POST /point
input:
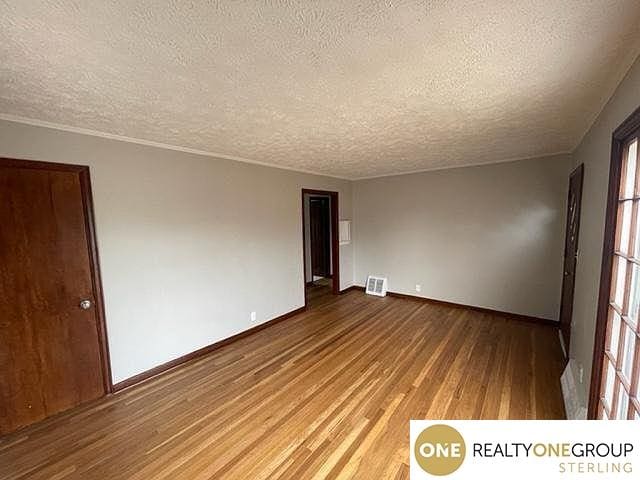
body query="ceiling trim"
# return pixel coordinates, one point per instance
(464, 165)
(151, 143)
(614, 83)
(177, 148)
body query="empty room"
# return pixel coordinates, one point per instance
(318, 239)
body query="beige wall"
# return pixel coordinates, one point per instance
(189, 245)
(595, 151)
(489, 236)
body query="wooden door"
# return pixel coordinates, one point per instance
(52, 346)
(570, 253)
(320, 236)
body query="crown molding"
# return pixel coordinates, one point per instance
(151, 143)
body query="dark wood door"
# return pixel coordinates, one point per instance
(320, 236)
(51, 355)
(570, 253)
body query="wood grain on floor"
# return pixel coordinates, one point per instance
(325, 394)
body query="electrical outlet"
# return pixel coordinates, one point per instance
(418, 287)
(253, 316)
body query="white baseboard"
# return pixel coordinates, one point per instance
(573, 406)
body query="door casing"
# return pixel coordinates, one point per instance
(574, 202)
(335, 257)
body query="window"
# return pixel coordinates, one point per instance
(614, 388)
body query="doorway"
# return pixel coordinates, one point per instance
(320, 242)
(52, 331)
(570, 254)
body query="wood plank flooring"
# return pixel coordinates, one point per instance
(325, 394)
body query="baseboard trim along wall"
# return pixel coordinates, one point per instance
(141, 377)
(516, 316)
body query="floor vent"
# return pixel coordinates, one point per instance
(376, 286)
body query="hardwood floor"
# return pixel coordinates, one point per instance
(319, 292)
(325, 394)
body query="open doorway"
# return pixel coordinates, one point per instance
(320, 241)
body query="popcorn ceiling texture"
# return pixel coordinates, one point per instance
(345, 88)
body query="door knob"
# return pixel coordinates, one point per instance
(85, 304)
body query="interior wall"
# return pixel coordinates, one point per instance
(189, 245)
(489, 236)
(236, 224)
(594, 151)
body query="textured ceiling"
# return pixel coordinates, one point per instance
(345, 88)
